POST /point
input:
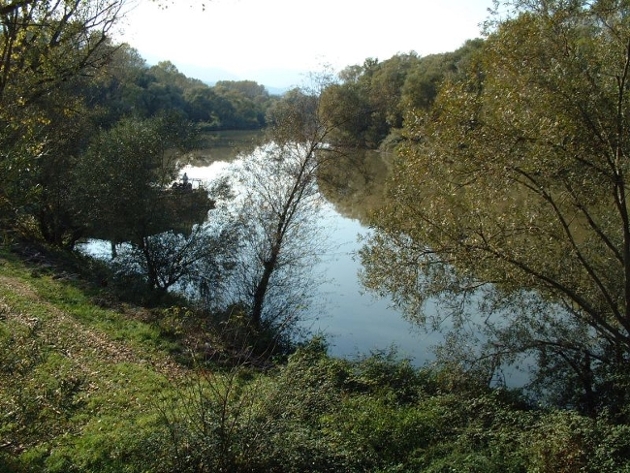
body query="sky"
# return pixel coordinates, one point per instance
(277, 42)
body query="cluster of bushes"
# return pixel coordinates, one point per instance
(309, 413)
(94, 387)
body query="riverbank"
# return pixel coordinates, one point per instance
(91, 383)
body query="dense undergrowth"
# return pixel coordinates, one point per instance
(90, 382)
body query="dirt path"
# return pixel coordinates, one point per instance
(76, 341)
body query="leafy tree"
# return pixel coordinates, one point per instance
(45, 43)
(116, 90)
(248, 88)
(52, 205)
(249, 102)
(511, 193)
(42, 46)
(386, 86)
(425, 78)
(281, 202)
(349, 105)
(369, 102)
(123, 176)
(126, 196)
(201, 106)
(128, 87)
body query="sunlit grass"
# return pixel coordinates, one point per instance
(78, 383)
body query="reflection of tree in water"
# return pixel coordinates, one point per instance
(225, 146)
(355, 182)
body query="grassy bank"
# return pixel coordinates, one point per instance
(77, 379)
(89, 383)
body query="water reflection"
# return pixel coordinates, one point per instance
(354, 322)
(224, 146)
(355, 183)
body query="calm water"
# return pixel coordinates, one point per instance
(353, 321)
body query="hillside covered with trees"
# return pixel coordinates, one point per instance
(505, 207)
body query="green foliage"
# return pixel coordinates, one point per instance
(370, 101)
(44, 50)
(122, 177)
(128, 87)
(83, 389)
(125, 196)
(48, 51)
(62, 83)
(528, 131)
(423, 82)
(509, 200)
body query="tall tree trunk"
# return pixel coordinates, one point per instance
(152, 273)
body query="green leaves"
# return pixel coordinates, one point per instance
(515, 181)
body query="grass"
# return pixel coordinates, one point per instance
(88, 388)
(74, 375)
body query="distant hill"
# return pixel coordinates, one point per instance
(209, 75)
(276, 81)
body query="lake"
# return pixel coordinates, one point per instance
(354, 322)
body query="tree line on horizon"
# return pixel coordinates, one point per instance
(62, 113)
(94, 136)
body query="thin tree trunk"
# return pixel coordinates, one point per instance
(261, 291)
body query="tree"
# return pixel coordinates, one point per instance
(424, 79)
(512, 192)
(280, 205)
(347, 105)
(52, 178)
(124, 194)
(369, 101)
(122, 181)
(118, 89)
(351, 105)
(248, 102)
(386, 87)
(43, 45)
(196, 250)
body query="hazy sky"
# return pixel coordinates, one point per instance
(272, 39)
